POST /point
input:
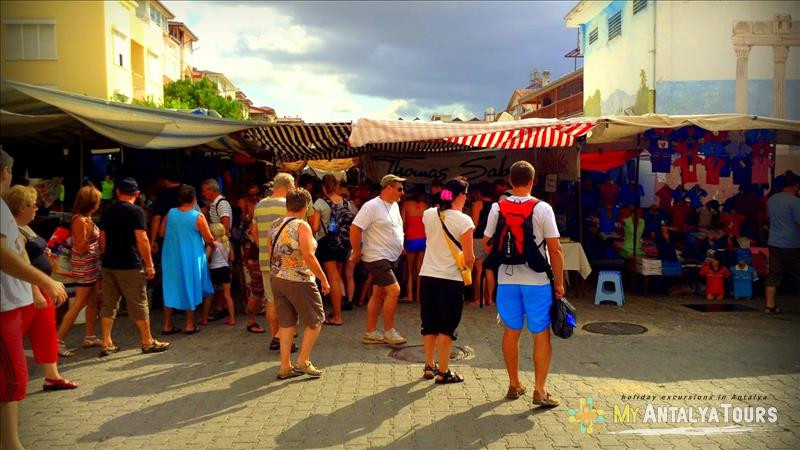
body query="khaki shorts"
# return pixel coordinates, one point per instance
(130, 284)
(295, 299)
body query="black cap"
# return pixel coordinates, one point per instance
(128, 186)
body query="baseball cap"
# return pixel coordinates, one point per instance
(128, 186)
(389, 179)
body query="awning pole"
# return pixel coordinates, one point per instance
(580, 197)
(635, 219)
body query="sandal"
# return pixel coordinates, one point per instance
(448, 377)
(548, 400)
(193, 331)
(773, 310)
(327, 321)
(429, 372)
(63, 350)
(275, 344)
(156, 347)
(172, 330)
(291, 373)
(58, 385)
(515, 392)
(105, 351)
(309, 370)
(255, 328)
(91, 341)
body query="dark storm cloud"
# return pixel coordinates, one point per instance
(435, 53)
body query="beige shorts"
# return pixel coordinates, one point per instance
(297, 299)
(130, 284)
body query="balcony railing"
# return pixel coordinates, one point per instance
(567, 107)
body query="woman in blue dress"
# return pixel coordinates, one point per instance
(183, 260)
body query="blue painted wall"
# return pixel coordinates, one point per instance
(719, 96)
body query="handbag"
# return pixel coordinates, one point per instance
(563, 318)
(458, 256)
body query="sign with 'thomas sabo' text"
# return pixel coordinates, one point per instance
(475, 166)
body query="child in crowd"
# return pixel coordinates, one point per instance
(715, 278)
(743, 277)
(219, 263)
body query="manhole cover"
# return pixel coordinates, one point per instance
(719, 307)
(416, 353)
(616, 328)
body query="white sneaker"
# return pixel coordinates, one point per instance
(392, 337)
(375, 337)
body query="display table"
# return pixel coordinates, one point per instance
(575, 259)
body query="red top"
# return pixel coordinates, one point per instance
(715, 279)
(415, 229)
(664, 197)
(687, 164)
(608, 193)
(732, 223)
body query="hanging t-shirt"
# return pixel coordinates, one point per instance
(629, 194)
(608, 219)
(695, 194)
(680, 215)
(608, 193)
(760, 170)
(660, 149)
(742, 171)
(714, 166)
(687, 163)
(664, 196)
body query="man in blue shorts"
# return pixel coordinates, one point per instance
(523, 293)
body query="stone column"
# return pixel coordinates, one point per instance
(779, 55)
(742, 53)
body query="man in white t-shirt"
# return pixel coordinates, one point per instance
(523, 293)
(380, 226)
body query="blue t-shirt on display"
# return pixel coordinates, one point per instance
(784, 215)
(743, 281)
(742, 169)
(695, 194)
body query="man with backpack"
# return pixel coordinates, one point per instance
(517, 229)
(219, 211)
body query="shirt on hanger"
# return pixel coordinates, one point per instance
(714, 166)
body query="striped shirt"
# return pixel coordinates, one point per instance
(218, 209)
(267, 211)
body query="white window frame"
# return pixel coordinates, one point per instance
(127, 62)
(37, 22)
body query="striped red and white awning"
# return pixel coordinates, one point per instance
(539, 137)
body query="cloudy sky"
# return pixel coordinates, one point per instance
(338, 61)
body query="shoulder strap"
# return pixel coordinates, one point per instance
(447, 232)
(450, 242)
(277, 235)
(27, 235)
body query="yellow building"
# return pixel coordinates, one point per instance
(101, 49)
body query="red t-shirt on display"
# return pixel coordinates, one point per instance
(680, 213)
(664, 197)
(732, 223)
(687, 165)
(715, 279)
(713, 166)
(760, 170)
(608, 193)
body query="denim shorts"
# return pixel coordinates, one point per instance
(515, 302)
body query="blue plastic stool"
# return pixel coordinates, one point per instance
(605, 295)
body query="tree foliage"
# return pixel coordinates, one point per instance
(185, 94)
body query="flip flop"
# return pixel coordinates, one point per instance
(172, 330)
(255, 328)
(327, 321)
(195, 330)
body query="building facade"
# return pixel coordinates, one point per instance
(111, 50)
(689, 57)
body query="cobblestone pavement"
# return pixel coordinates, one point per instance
(218, 389)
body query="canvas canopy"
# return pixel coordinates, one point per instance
(30, 109)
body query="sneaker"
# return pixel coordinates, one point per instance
(374, 337)
(308, 369)
(392, 337)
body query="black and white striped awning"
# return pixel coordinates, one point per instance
(326, 141)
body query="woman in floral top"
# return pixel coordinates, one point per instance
(294, 268)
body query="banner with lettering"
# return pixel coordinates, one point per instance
(476, 166)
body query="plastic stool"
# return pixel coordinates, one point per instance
(605, 295)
